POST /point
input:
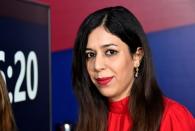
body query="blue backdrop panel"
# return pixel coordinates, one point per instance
(174, 59)
(64, 107)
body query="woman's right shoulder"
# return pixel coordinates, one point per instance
(176, 117)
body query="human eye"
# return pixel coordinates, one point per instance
(90, 55)
(111, 52)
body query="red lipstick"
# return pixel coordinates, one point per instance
(104, 80)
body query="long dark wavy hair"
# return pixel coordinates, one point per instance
(7, 122)
(146, 100)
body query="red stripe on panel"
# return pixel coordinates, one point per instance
(66, 16)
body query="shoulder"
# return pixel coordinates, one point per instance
(176, 117)
(173, 107)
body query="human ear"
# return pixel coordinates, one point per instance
(137, 57)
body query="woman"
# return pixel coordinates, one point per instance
(114, 81)
(7, 122)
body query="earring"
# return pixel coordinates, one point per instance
(136, 72)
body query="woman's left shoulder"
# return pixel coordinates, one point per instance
(176, 117)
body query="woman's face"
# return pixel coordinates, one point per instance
(109, 64)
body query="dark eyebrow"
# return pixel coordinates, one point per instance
(103, 46)
(88, 49)
(107, 45)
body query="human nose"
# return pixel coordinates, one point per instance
(99, 63)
